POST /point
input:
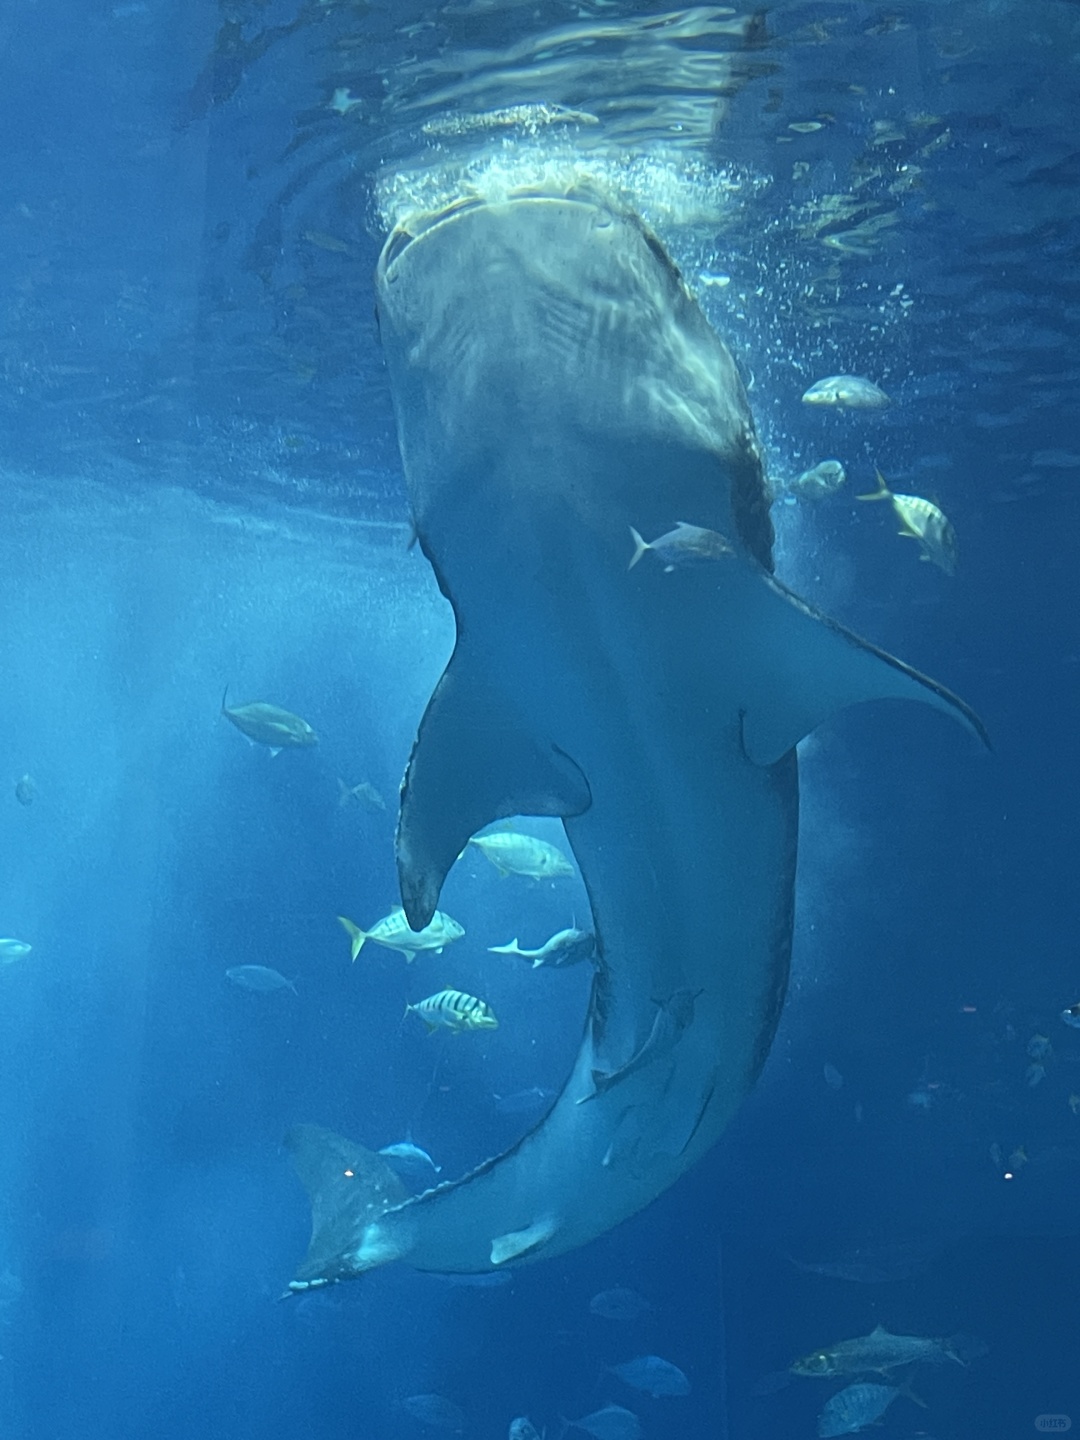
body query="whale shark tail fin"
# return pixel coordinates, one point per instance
(349, 1189)
(476, 759)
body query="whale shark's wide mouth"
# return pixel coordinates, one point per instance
(423, 222)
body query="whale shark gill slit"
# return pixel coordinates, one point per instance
(555, 384)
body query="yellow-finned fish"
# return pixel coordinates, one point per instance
(515, 854)
(454, 1010)
(269, 725)
(393, 932)
(921, 520)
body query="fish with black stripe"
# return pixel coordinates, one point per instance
(454, 1010)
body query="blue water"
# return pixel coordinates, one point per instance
(201, 488)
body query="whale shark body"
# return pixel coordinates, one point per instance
(556, 384)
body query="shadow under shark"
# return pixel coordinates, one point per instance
(555, 383)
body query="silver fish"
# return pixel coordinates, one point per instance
(653, 1375)
(414, 1165)
(259, 977)
(515, 854)
(658, 721)
(854, 1408)
(880, 1352)
(393, 932)
(363, 794)
(566, 947)
(846, 392)
(269, 725)
(824, 479)
(684, 545)
(613, 1422)
(12, 950)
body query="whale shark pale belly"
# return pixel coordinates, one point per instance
(554, 384)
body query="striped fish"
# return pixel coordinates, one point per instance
(454, 1010)
(393, 932)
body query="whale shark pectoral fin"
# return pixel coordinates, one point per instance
(816, 667)
(349, 1188)
(476, 759)
(522, 1242)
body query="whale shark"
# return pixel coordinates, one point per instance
(555, 385)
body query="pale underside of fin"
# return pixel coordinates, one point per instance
(476, 759)
(522, 1242)
(805, 667)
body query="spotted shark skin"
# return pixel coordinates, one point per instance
(555, 383)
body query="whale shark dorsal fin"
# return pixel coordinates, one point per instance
(522, 1242)
(476, 759)
(807, 667)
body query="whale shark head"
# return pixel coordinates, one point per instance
(556, 389)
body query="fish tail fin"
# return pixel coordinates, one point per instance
(224, 697)
(964, 1348)
(511, 949)
(343, 1180)
(292, 986)
(355, 934)
(909, 1394)
(344, 793)
(640, 546)
(881, 493)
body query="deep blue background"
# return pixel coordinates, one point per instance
(200, 487)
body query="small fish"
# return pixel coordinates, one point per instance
(619, 1303)
(1039, 1047)
(824, 479)
(524, 1102)
(325, 241)
(846, 392)
(680, 546)
(1074, 1103)
(921, 520)
(12, 950)
(1016, 1162)
(393, 932)
(513, 853)
(523, 1429)
(413, 1165)
(610, 1423)
(654, 1376)
(25, 790)
(436, 1411)
(1035, 1075)
(880, 1352)
(1071, 1016)
(270, 725)
(855, 1407)
(259, 977)
(833, 1079)
(568, 947)
(454, 1010)
(363, 793)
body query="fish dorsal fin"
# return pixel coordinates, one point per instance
(804, 667)
(476, 759)
(348, 1187)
